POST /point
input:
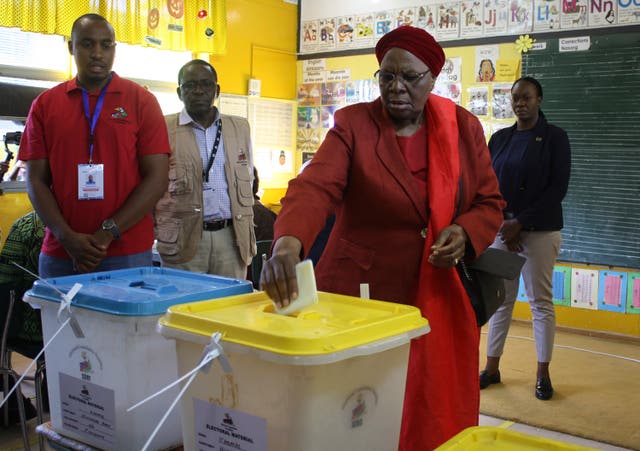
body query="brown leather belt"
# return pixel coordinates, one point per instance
(216, 224)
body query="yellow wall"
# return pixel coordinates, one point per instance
(261, 43)
(271, 198)
(12, 206)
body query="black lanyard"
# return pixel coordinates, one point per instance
(214, 150)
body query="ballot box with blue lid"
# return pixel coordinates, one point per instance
(117, 358)
(139, 291)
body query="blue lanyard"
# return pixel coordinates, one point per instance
(93, 120)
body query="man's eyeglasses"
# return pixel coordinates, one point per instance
(205, 85)
(407, 78)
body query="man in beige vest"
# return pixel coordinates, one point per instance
(204, 222)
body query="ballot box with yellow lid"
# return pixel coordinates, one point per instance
(491, 438)
(331, 376)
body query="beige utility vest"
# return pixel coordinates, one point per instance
(178, 215)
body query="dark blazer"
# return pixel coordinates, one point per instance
(263, 220)
(381, 215)
(544, 176)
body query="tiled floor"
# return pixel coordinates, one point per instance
(10, 439)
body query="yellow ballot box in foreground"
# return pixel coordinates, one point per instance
(330, 376)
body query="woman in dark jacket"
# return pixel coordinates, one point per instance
(532, 160)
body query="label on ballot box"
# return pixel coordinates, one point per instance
(88, 408)
(217, 426)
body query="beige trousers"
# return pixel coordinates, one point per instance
(541, 250)
(217, 254)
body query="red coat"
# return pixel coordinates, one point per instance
(383, 225)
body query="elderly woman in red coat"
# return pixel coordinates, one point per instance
(410, 179)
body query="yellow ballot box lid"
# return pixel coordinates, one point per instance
(490, 438)
(335, 328)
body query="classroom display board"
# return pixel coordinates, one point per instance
(593, 289)
(272, 123)
(633, 293)
(338, 26)
(592, 90)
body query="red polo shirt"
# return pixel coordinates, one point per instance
(130, 126)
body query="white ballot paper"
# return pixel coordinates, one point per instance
(307, 291)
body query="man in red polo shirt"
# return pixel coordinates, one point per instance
(97, 153)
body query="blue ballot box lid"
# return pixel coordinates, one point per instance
(137, 291)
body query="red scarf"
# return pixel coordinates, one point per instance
(442, 395)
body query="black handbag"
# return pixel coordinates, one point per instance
(483, 279)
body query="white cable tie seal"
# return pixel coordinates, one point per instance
(214, 350)
(65, 303)
(33, 362)
(211, 351)
(65, 308)
(66, 300)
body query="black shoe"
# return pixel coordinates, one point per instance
(487, 379)
(544, 390)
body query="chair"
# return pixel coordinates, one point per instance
(8, 345)
(264, 248)
(7, 371)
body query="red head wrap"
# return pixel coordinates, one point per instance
(416, 41)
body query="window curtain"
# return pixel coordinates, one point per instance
(198, 26)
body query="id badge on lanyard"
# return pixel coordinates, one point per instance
(90, 181)
(91, 176)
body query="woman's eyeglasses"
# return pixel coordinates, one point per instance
(407, 78)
